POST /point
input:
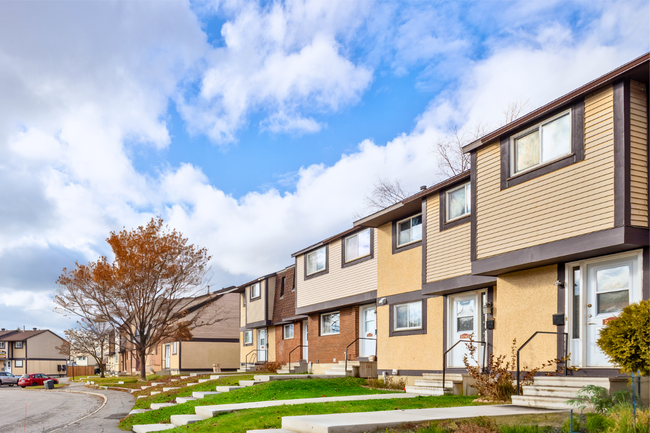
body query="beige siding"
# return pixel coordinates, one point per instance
(244, 350)
(44, 346)
(18, 353)
(396, 273)
(572, 201)
(448, 252)
(639, 154)
(256, 307)
(271, 295)
(49, 368)
(203, 354)
(338, 282)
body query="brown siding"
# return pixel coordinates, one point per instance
(639, 154)
(568, 202)
(448, 252)
(338, 282)
(202, 355)
(284, 306)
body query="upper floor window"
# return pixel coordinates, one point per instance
(19, 345)
(284, 279)
(316, 261)
(357, 245)
(409, 230)
(2, 344)
(255, 290)
(458, 202)
(330, 323)
(174, 348)
(545, 142)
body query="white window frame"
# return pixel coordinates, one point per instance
(307, 261)
(397, 231)
(259, 290)
(285, 333)
(538, 127)
(345, 240)
(174, 348)
(18, 363)
(18, 345)
(249, 333)
(322, 332)
(468, 202)
(408, 328)
(2, 344)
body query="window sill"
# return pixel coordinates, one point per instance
(406, 247)
(317, 274)
(357, 261)
(327, 335)
(540, 170)
(256, 298)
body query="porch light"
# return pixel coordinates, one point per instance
(559, 283)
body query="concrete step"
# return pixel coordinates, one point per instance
(194, 374)
(204, 380)
(335, 373)
(202, 394)
(428, 390)
(433, 383)
(454, 377)
(169, 388)
(181, 420)
(146, 428)
(181, 400)
(185, 377)
(145, 386)
(155, 406)
(271, 430)
(155, 392)
(551, 391)
(281, 371)
(228, 388)
(135, 411)
(542, 402)
(244, 383)
(156, 383)
(578, 382)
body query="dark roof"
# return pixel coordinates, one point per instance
(638, 67)
(20, 335)
(324, 242)
(410, 205)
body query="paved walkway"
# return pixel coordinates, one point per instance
(369, 421)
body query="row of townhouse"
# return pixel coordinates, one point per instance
(28, 352)
(548, 231)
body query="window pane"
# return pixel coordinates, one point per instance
(456, 203)
(364, 243)
(402, 316)
(556, 138)
(320, 259)
(576, 303)
(416, 231)
(351, 248)
(612, 302)
(316, 261)
(404, 232)
(527, 151)
(613, 278)
(465, 324)
(415, 315)
(335, 323)
(465, 308)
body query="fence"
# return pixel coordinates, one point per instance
(80, 370)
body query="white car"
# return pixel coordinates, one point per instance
(8, 379)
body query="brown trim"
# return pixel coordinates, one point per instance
(544, 110)
(490, 332)
(391, 317)
(445, 313)
(577, 149)
(561, 308)
(213, 340)
(371, 256)
(473, 165)
(266, 299)
(250, 297)
(645, 285)
(327, 263)
(442, 208)
(403, 297)
(622, 153)
(567, 250)
(394, 235)
(462, 283)
(259, 324)
(363, 298)
(424, 239)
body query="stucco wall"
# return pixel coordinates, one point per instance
(244, 350)
(525, 302)
(396, 273)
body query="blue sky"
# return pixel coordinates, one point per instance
(256, 129)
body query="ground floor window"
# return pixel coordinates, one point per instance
(288, 331)
(19, 364)
(248, 337)
(408, 316)
(330, 323)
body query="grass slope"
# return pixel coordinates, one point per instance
(274, 390)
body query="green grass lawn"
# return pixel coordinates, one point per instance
(531, 423)
(274, 390)
(264, 418)
(56, 386)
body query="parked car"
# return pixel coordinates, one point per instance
(34, 379)
(8, 379)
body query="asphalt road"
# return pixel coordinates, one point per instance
(62, 410)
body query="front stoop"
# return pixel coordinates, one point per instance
(431, 384)
(553, 392)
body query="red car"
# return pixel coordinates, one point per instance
(34, 380)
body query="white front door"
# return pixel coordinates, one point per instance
(8, 369)
(167, 353)
(465, 321)
(305, 340)
(262, 345)
(368, 329)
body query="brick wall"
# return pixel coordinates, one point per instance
(325, 349)
(283, 347)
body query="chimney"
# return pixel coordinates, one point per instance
(2, 329)
(423, 187)
(35, 329)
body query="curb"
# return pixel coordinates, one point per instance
(86, 416)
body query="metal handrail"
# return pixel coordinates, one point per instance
(255, 352)
(346, 350)
(301, 345)
(566, 352)
(444, 357)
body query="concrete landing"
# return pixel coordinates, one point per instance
(155, 406)
(364, 421)
(179, 420)
(185, 399)
(202, 394)
(210, 411)
(146, 428)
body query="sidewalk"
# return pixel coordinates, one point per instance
(369, 421)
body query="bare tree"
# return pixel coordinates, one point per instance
(515, 109)
(88, 339)
(451, 158)
(385, 193)
(146, 293)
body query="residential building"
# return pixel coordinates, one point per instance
(35, 351)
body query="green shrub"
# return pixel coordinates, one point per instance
(622, 420)
(577, 424)
(525, 429)
(599, 398)
(598, 423)
(626, 340)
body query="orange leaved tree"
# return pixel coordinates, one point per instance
(145, 293)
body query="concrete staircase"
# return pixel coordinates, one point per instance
(295, 368)
(552, 392)
(339, 369)
(431, 384)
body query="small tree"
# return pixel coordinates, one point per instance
(626, 340)
(88, 339)
(145, 293)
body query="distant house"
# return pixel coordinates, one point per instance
(27, 352)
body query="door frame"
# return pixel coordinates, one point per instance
(362, 324)
(578, 348)
(266, 344)
(478, 294)
(304, 330)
